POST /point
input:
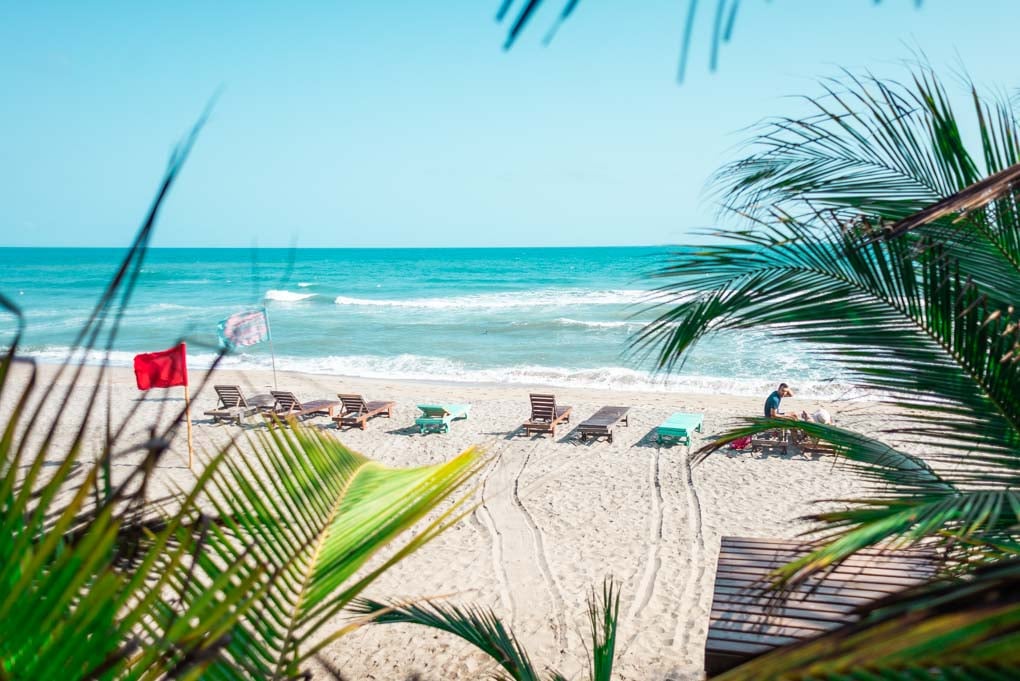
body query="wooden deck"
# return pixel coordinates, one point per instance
(748, 620)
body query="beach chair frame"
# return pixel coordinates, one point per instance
(288, 407)
(436, 418)
(678, 428)
(233, 407)
(355, 411)
(545, 415)
(602, 423)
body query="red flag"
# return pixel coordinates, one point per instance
(162, 369)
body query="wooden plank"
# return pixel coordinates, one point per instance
(763, 603)
(768, 641)
(835, 578)
(925, 564)
(860, 594)
(770, 553)
(862, 571)
(778, 547)
(780, 616)
(784, 552)
(748, 619)
(814, 601)
(742, 648)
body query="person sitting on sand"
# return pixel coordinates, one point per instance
(821, 415)
(773, 400)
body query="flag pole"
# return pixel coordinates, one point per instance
(187, 415)
(272, 352)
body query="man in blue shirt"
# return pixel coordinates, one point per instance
(773, 400)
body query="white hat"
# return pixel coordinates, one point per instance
(822, 416)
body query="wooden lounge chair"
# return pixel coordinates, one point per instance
(356, 411)
(233, 406)
(436, 418)
(602, 422)
(287, 406)
(748, 619)
(545, 415)
(678, 428)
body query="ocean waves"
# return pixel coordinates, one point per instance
(282, 296)
(541, 298)
(426, 368)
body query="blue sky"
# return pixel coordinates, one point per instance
(404, 123)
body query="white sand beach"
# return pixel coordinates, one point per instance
(556, 516)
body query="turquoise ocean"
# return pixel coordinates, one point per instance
(547, 316)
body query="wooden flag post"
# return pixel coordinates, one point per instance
(167, 369)
(269, 335)
(187, 415)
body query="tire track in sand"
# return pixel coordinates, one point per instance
(690, 594)
(496, 540)
(653, 561)
(556, 595)
(526, 582)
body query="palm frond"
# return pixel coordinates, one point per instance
(69, 608)
(603, 616)
(904, 323)
(885, 466)
(311, 513)
(478, 626)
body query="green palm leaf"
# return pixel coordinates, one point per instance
(483, 629)
(89, 586)
(311, 513)
(603, 616)
(906, 324)
(478, 626)
(95, 583)
(874, 237)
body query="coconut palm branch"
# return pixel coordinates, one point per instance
(228, 578)
(92, 582)
(906, 322)
(880, 152)
(482, 628)
(875, 237)
(723, 16)
(311, 514)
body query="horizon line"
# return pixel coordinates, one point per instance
(350, 248)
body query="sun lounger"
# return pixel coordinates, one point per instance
(602, 422)
(678, 428)
(748, 619)
(356, 411)
(233, 406)
(287, 406)
(436, 418)
(545, 415)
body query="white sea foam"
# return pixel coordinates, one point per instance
(418, 367)
(287, 296)
(305, 284)
(507, 300)
(566, 321)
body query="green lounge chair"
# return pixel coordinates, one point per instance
(678, 428)
(436, 418)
